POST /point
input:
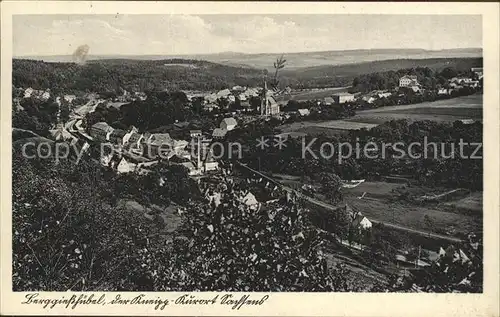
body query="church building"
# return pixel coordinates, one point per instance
(268, 105)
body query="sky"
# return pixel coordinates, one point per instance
(204, 34)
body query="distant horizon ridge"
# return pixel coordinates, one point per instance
(265, 53)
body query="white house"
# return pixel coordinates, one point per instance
(28, 92)
(125, 166)
(228, 124)
(223, 93)
(328, 101)
(250, 200)
(69, 98)
(369, 99)
(304, 112)
(384, 94)
(210, 165)
(343, 97)
(45, 95)
(126, 138)
(442, 91)
(361, 222)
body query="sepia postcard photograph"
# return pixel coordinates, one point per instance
(250, 158)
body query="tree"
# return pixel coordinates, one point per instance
(449, 72)
(331, 185)
(197, 105)
(279, 64)
(234, 248)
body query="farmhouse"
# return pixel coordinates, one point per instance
(343, 97)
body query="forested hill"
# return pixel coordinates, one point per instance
(112, 75)
(133, 75)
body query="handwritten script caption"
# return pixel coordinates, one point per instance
(71, 301)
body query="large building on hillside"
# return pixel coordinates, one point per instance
(408, 81)
(343, 97)
(268, 105)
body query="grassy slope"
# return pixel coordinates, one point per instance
(382, 66)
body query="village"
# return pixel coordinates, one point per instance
(247, 153)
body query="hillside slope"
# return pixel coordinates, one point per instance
(175, 74)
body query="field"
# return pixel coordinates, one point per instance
(449, 110)
(313, 94)
(472, 204)
(329, 128)
(381, 203)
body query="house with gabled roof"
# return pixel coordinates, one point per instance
(101, 131)
(228, 124)
(219, 133)
(125, 166)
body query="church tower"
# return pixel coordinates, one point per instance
(263, 100)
